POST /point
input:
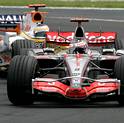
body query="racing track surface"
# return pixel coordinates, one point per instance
(63, 112)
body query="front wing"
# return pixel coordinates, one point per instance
(103, 87)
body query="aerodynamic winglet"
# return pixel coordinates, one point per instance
(79, 19)
(36, 6)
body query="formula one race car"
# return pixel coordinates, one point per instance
(77, 72)
(21, 31)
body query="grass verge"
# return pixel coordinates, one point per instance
(54, 3)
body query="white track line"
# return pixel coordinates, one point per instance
(87, 8)
(92, 19)
(79, 8)
(107, 20)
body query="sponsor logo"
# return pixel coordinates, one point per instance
(76, 74)
(92, 37)
(96, 38)
(53, 36)
(11, 18)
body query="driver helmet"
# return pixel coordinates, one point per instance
(40, 31)
(81, 46)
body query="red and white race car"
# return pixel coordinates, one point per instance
(85, 66)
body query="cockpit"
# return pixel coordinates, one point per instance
(80, 42)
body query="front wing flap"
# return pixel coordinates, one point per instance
(76, 93)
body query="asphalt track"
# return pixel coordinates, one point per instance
(61, 112)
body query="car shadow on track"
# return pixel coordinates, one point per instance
(71, 105)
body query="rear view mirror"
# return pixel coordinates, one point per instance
(120, 52)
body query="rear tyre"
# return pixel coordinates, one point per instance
(119, 44)
(20, 44)
(19, 82)
(119, 74)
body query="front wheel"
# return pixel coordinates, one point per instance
(119, 74)
(21, 71)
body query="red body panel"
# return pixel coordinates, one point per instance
(92, 37)
(76, 93)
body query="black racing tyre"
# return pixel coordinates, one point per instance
(25, 51)
(119, 74)
(119, 44)
(21, 71)
(20, 44)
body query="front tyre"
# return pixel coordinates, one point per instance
(19, 82)
(119, 74)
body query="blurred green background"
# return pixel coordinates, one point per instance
(67, 3)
